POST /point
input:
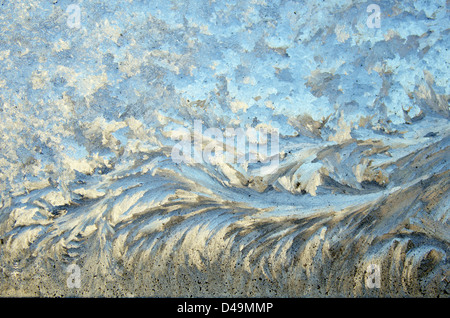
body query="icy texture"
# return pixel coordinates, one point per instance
(87, 119)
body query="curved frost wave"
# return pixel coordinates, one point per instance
(251, 149)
